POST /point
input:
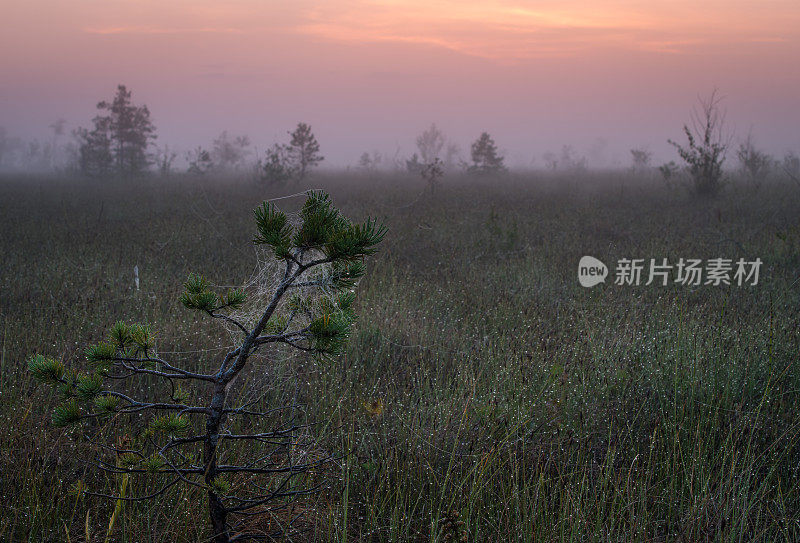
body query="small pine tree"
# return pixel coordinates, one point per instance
(200, 162)
(181, 436)
(431, 173)
(485, 158)
(304, 150)
(276, 169)
(370, 163)
(230, 153)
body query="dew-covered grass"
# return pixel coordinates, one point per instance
(480, 376)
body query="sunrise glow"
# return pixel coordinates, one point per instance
(374, 72)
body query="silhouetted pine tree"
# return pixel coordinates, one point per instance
(485, 158)
(119, 140)
(304, 150)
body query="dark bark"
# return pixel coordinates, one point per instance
(216, 509)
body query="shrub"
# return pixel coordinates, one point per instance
(707, 145)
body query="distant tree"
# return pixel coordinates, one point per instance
(755, 164)
(164, 159)
(370, 162)
(485, 158)
(11, 149)
(430, 144)
(130, 130)
(570, 161)
(707, 145)
(304, 150)
(95, 157)
(668, 170)
(365, 161)
(230, 153)
(277, 168)
(791, 167)
(413, 165)
(432, 173)
(37, 156)
(58, 128)
(123, 133)
(398, 163)
(451, 155)
(200, 161)
(550, 160)
(641, 159)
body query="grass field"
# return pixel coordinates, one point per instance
(480, 377)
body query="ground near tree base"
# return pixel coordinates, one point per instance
(480, 379)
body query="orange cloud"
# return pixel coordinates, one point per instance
(515, 30)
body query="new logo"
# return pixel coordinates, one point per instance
(591, 272)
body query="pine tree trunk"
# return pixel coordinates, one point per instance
(216, 509)
(218, 515)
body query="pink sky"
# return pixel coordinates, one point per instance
(372, 74)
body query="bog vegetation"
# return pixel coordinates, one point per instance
(483, 395)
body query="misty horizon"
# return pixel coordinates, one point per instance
(599, 151)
